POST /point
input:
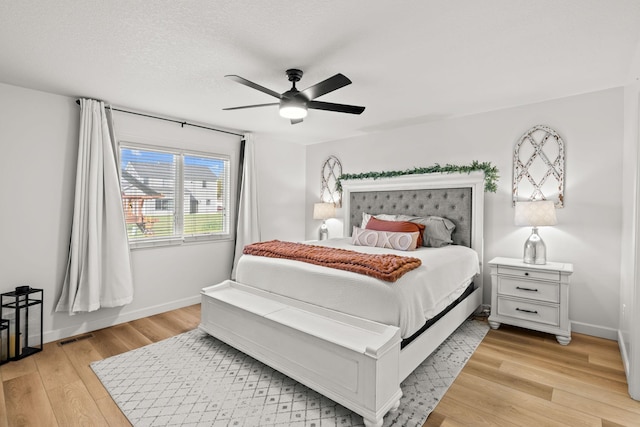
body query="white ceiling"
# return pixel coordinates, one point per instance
(410, 61)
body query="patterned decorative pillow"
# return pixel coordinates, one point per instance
(397, 227)
(385, 239)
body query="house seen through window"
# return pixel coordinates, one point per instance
(173, 194)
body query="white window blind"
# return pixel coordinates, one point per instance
(205, 179)
(174, 195)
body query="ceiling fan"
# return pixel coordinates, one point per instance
(294, 103)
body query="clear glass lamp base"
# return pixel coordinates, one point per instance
(535, 251)
(324, 231)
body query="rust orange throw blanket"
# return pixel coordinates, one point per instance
(387, 267)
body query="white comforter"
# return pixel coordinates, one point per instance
(408, 303)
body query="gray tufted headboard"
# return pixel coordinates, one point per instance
(456, 196)
(452, 203)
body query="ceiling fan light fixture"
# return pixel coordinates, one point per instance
(294, 104)
(293, 110)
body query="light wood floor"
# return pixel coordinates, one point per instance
(515, 378)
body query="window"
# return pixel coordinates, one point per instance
(163, 205)
(173, 196)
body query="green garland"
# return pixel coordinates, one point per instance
(490, 173)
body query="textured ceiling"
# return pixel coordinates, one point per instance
(411, 61)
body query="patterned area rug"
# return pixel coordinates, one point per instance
(195, 380)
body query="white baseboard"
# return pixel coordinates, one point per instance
(59, 334)
(594, 330)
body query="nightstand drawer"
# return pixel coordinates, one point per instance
(541, 291)
(532, 274)
(529, 311)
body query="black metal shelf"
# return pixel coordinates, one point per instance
(21, 307)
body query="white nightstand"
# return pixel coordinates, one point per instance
(531, 296)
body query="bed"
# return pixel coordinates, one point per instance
(353, 343)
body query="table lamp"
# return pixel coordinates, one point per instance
(535, 214)
(324, 211)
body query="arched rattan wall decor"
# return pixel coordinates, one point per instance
(538, 166)
(331, 171)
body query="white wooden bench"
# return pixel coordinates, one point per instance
(353, 361)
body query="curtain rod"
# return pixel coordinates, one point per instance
(181, 123)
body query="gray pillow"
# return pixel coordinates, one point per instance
(437, 230)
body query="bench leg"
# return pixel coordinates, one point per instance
(374, 423)
(378, 423)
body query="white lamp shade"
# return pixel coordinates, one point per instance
(536, 214)
(324, 210)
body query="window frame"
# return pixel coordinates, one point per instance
(179, 237)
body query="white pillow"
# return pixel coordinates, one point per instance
(384, 239)
(384, 217)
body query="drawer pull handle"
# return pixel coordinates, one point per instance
(526, 289)
(526, 273)
(526, 311)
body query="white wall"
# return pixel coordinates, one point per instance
(39, 137)
(281, 189)
(589, 230)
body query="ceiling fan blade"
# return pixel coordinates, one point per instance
(330, 106)
(295, 121)
(253, 85)
(252, 106)
(326, 86)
